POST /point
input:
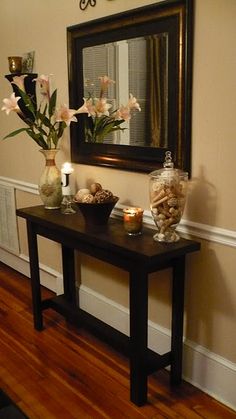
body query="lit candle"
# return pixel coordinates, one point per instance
(66, 171)
(133, 220)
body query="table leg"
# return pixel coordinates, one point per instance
(138, 336)
(68, 265)
(35, 277)
(177, 320)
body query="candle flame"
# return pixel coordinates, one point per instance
(67, 168)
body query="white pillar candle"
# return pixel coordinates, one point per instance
(66, 171)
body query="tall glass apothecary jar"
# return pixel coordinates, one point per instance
(168, 189)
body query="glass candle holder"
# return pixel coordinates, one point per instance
(66, 205)
(133, 220)
(15, 64)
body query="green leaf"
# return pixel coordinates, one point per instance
(52, 103)
(61, 127)
(55, 138)
(12, 134)
(42, 131)
(44, 119)
(27, 101)
(96, 129)
(37, 138)
(119, 122)
(45, 109)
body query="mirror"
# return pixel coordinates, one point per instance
(147, 52)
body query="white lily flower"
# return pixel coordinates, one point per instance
(11, 104)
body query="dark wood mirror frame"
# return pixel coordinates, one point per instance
(172, 16)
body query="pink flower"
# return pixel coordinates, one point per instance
(11, 104)
(123, 113)
(132, 103)
(102, 107)
(44, 85)
(64, 114)
(105, 82)
(87, 107)
(19, 81)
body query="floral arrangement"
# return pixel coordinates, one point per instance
(101, 118)
(46, 123)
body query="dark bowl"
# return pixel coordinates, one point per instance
(97, 214)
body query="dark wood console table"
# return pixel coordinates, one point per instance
(139, 256)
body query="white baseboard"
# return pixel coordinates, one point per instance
(210, 372)
(202, 368)
(48, 277)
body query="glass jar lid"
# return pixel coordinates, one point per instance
(168, 171)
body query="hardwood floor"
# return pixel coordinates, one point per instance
(65, 373)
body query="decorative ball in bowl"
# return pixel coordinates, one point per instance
(95, 204)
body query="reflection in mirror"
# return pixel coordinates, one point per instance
(138, 66)
(147, 51)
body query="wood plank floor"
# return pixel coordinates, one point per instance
(65, 373)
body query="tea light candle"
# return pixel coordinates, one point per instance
(133, 220)
(66, 171)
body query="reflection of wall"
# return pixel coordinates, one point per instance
(211, 288)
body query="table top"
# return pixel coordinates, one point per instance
(71, 229)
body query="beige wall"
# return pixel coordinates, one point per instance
(211, 289)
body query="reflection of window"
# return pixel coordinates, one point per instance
(98, 61)
(123, 62)
(136, 65)
(138, 87)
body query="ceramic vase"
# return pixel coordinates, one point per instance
(50, 189)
